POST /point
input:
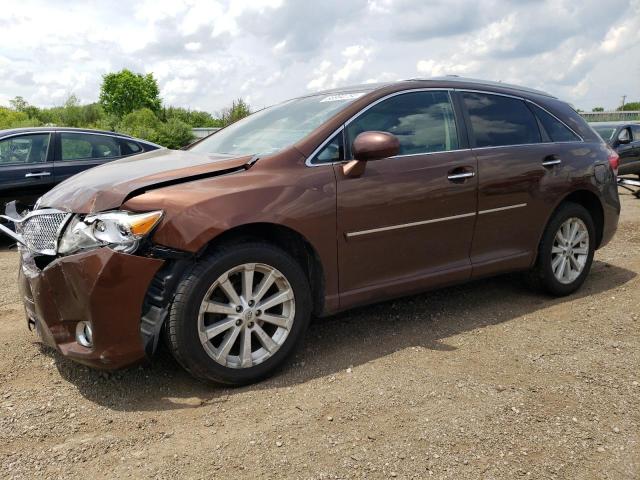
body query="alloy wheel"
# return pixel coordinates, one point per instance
(570, 250)
(246, 315)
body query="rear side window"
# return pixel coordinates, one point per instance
(24, 149)
(84, 146)
(556, 130)
(423, 122)
(635, 133)
(498, 121)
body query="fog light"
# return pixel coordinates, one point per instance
(84, 334)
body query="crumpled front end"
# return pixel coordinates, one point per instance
(102, 287)
(88, 305)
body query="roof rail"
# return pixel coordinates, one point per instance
(456, 78)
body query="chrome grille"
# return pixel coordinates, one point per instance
(40, 231)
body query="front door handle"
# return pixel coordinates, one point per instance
(551, 160)
(460, 174)
(37, 174)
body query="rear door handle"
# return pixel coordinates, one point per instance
(551, 160)
(37, 174)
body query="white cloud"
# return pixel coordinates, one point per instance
(205, 53)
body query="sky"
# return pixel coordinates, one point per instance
(205, 53)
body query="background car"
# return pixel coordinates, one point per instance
(624, 137)
(33, 160)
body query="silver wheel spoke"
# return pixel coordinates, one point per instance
(562, 267)
(555, 249)
(574, 263)
(555, 263)
(580, 251)
(276, 299)
(227, 345)
(265, 339)
(247, 281)
(219, 327)
(221, 308)
(579, 238)
(264, 286)
(278, 320)
(230, 292)
(245, 349)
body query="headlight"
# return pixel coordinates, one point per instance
(121, 231)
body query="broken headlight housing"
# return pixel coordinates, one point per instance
(119, 230)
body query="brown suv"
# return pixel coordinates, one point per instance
(312, 206)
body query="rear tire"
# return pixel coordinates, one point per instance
(239, 313)
(566, 251)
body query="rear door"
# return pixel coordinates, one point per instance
(79, 151)
(522, 168)
(26, 167)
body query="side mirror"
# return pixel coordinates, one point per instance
(624, 137)
(370, 146)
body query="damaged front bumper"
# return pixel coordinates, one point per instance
(103, 287)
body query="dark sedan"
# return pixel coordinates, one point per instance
(624, 137)
(34, 160)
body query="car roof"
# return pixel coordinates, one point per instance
(449, 81)
(61, 129)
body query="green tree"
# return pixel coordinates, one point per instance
(125, 91)
(141, 123)
(193, 118)
(174, 134)
(631, 106)
(238, 109)
(597, 109)
(9, 118)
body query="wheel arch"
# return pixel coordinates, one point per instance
(588, 200)
(591, 202)
(289, 240)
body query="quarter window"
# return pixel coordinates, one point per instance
(423, 122)
(333, 151)
(498, 121)
(24, 149)
(83, 146)
(557, 131)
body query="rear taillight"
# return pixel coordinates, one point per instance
(614, 160)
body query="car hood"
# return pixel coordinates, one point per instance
(107, 186)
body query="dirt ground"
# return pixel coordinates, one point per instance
(482, 381)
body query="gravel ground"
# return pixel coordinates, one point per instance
(486, 380)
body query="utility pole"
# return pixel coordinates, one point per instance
(624, 97)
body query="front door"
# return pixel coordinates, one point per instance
(26, 167)
(406, 223)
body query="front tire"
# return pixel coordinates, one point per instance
(239, 313)
(566, 251)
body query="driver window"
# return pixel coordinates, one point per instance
(423, 122)
(24, 149)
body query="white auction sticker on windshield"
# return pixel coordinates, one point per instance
(342, 96)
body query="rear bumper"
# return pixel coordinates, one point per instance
(101, 286)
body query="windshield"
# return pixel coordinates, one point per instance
(274, 128)
(606, 132)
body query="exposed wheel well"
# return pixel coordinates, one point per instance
(591, 202)
(288, 240)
